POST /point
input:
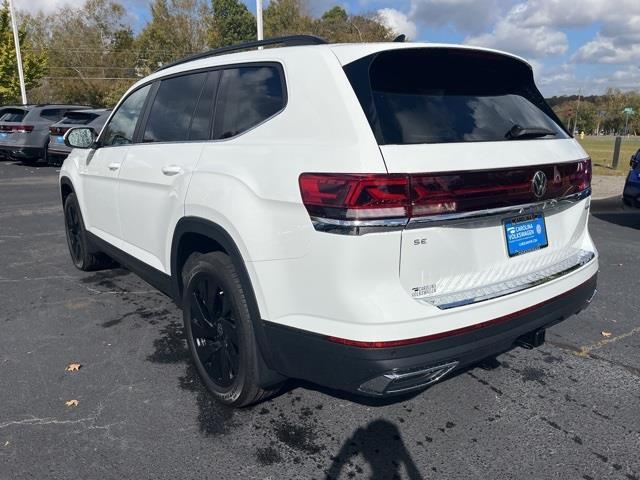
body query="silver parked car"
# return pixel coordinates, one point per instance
(24, 129)
(57, 150)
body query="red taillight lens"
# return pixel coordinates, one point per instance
(387, 196)
(23, 128)
(355, 197)
(58, 130)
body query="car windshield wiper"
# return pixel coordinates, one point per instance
(517, 132)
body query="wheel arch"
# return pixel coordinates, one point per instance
(195, 234)
(66, 188)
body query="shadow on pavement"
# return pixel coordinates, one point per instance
(381, 445)
(612, 210)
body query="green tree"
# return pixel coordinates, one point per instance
(175, 30)
(230, 23)
(287, 17)
(34, 63)
(92, 59)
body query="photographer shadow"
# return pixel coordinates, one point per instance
(381, 446)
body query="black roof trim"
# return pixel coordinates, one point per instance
(288, 41)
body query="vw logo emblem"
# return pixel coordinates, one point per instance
(539, 184)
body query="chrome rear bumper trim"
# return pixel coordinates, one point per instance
(546, 206)
(363, 227)
(489, 292)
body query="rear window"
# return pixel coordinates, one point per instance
(54, 114)
(13, 116)
(417, 96)
(248, 96)
(79, 118)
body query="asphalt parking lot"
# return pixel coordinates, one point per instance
(570, 409)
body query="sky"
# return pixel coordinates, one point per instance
(574, 46)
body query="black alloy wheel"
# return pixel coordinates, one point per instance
(219, 330)
(214, 331)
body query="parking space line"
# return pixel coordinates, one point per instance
(585, 350)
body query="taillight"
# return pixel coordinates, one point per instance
(58, 130)
(392, 196)
(354, 196)
(16, 128)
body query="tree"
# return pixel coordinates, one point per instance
(34, 63)
(230, 23)
(92, 59)
(175, 30)
(287, 17)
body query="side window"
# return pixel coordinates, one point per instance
(120, 130)
(173, 108)
(248, 96)
(201, 123)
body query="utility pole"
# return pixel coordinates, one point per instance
(575, 123)
(259, 19)
(16, 40)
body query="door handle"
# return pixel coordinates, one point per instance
(114, 166)
(171, 170)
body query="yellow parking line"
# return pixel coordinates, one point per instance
(584, 351)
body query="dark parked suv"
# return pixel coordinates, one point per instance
(24, 130)
(57, 150)
(631, 193)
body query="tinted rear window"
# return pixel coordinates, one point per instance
(418, 96)
(54, 114)
(248, 96)
(13, 116)
(78, 118)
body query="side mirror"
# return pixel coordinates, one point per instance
(80, 137)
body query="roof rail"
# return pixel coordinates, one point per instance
(288, 41)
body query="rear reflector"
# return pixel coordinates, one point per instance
(390, 196)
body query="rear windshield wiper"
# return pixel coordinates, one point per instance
(517, 132)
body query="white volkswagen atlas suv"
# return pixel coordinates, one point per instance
(368, 217)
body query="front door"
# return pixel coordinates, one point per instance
(101, 168)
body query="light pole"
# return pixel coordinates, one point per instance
(16, 41)
(259, 19)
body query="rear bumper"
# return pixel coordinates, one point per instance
(20, 153)
(396, 370)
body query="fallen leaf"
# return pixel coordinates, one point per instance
(72, 403)
(606, 334)
(73, 367)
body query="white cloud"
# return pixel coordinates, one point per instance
(468, 16)
(533, 28)
(532, 42)
(46, 6)
(398, 22)
(607, 50)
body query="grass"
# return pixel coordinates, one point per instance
(600, 149)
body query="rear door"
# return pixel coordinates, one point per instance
(156, 173)
(496, 181)
(100, 168)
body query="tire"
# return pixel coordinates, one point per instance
(219, 330)
(82, 255)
